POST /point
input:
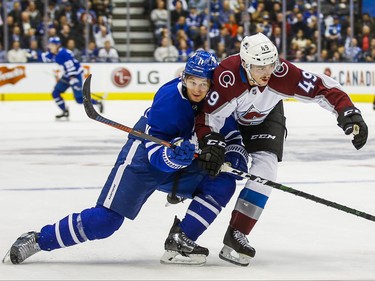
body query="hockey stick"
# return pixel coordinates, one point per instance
(91, 112)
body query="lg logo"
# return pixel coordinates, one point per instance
(121, 77)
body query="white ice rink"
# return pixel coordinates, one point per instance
(50, 169)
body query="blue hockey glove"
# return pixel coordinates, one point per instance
(238, 158)
(212, 155)
(350, 120)
(180, 156)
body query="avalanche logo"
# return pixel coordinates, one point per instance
(252, 116)
(281, 70)
(226, 79)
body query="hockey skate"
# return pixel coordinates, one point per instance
(179, 249)
(236, 248)
(25, 246)
(63, 115)
(100, 106)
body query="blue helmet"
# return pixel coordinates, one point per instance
(54, 40)
(201, 64)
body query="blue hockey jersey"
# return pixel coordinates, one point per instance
(65, 58)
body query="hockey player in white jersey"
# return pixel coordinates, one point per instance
(250, 87)
(142, 167)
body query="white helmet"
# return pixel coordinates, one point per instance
(258, 50)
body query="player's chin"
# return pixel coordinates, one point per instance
(263, 81)
(196, 98)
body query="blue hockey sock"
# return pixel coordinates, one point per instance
(90, 224)
(201, 213)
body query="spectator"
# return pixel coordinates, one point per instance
(184, 51)
(264, 26)
(159, 18)
(173, 3)
(102, 36)
(333, 31)
(108, 53)
(166, 52)
(311, 53)
(223, 37)
(71, 46)
(34, 14)
(276, 38)
(182, 35)
(178, 12)
(299, 41)
(193, 21)
(3, 54)
(16, 13)
(365, 38)
(202, 37)
(34, 52)
(180, 25)
(235, 49)
(225, 12)
(352, 51)
(17, 54)
(103, 8)
(91, 54)
(16, 35)
(200, 4)
(232, 25)
(221, 52)
(25, 22)
(69, 14)
(370, 56)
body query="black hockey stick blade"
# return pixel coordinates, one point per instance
(93, 114)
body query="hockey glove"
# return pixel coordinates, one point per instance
(180, 156)
(237, 157)
(212, 153)
(347, 120)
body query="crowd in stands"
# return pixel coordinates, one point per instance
(231, 20)
(185, 26)
(29, 27)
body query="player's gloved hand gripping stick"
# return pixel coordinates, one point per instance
(91, 112)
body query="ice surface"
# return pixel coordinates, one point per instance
(50, 169)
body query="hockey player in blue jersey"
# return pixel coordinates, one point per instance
(72, 75)
(143, 166)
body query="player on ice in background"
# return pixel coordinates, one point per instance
(142, 167)
(72, 75)
(250, 86)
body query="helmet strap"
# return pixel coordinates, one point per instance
(250, 78)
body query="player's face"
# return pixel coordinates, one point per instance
(52, 48)
(197, 88)
(262, 73)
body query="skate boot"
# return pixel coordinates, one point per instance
(179, 249)
(100, 106)
(25, 246)
(63, 115)
(236, 248)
